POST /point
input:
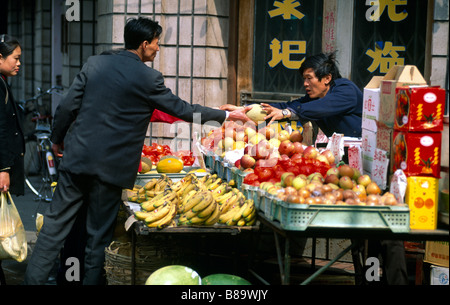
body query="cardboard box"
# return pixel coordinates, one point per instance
(397, 76)
(438, 275)
(417, 153)
(371, 140)
(436, 253)
(371, 104)
(419, 109)
(422, 198)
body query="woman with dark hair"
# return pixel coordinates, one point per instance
(12, 143)
(333, 102)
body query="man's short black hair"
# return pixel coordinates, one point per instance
(137, 30)
(322, 64)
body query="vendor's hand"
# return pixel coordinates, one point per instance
(58, 149)
(4, 182)
(229, 107)
(274, 114)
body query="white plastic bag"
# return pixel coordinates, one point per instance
(13, 239)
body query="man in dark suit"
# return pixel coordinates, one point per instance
(102, 122)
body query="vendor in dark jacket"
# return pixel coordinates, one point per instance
(333, 102)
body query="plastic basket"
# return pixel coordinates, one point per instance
(301, 216)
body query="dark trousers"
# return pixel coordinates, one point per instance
(72, 194)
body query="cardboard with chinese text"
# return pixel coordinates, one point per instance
(371, 104)
(371, 140)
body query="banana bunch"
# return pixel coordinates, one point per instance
(241, 214)
(156, 186)
(136, 194)
(159, 211)
(198, 208)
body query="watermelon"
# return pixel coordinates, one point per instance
(224, 279)
(174, 275)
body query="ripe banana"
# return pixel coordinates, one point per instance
(206, 212)
(241, 222)
(184, 200)
(148, 205)
(196, 220)
(251, 216)
(169, 197)
(214, 218)
(231, 202)
(229, 215)
(149, 185)
(208, 199)
(195, 199)
(141, 215)
(166, 220)
(215, 184)
(182, 220)
(250, 208)
(239, 213)
(190, 214)
(159, 213)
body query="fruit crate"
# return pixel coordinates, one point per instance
(251, 192)
(227, 172)
(299, 217)
(240, 175)
(209, 161)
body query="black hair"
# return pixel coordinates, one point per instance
(137, 30)
(7, 45)
(322, 64)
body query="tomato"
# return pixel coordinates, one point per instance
(264, 173)
(251, 179)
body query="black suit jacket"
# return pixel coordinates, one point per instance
(12, 143)
(104, 116)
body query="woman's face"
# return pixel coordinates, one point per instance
(315, 88)
(9, 66)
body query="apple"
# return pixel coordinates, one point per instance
(334, 171)
(258, 137)
(287, 178)
(259, 151)
(241, 136)
(356, 174)
(346, 170)
(310, 152)
(364, 180)
(247, 161)
(286, 148)
(296, 156)
(332, 178)
(373, 189)
(329, 155)
(299, 182)
(296, 136)
(283, 135)
(345, 183)
(266, 162)
(298, 147)
(228, 143)
(323, 159)
(275, 142)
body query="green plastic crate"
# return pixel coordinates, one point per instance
(302, 216)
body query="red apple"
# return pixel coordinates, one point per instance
(287, 178)
(310, 152)
(286, 148)
(259, 151)
(329, 155)
(247, 161)
(298, 147)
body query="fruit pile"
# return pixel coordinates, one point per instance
(341, 185)
(204, 201)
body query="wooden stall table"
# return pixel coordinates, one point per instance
(140, 229)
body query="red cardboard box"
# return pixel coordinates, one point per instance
(417, 153)
(419, 109)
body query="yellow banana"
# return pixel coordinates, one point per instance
(249, 209)
(133, 198)
(230, 203)
(166, 220)
(251, 222)
(251, 216)
(215, 184)
(148, 205)
(229, 215)
(231, 222)
(206, 212)
(196, 220)
(185, 199)
(141, 215)
(165, 199)
(214, 218)
(149, 185)
(141, 198)
(241, 222)
(224, 197)
(208, 199)
(204, 178)
(141, 191)
(190, 214)
(158, 213)
(238, 214)
(193, 201)
(182, 220)
(187, 189)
